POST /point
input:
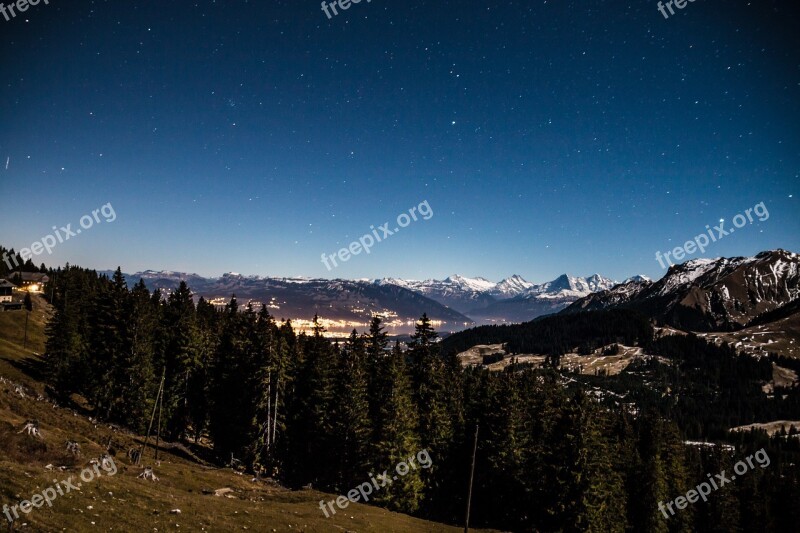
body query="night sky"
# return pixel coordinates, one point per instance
(253, 136)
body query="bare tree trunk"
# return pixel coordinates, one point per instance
(158, 430)
(269, 406)
(275, 422)
(152, 417)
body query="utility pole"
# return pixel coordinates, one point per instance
(158, 425)
(275, 418)
(153, 416)
(471, 478)
(269, 409)
(25, 341)
(28, 309)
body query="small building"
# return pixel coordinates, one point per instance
(34, 281)
(7, 302)
(6, 288)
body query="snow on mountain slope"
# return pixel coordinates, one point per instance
(709, 294)
(458, 297)
(566, 286)
(457, 292)
(510, 287)
(302, 298)
(474, 284)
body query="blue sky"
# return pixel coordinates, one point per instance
(547, 137)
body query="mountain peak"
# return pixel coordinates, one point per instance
(703, 294)
(474, 284)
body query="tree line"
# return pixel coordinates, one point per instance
(306, 409)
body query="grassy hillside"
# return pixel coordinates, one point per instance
(123, 502)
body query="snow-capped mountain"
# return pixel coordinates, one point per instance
(541, 299)
(566, 286)
(709, 294)
(511, 300)
(699, 295)
(637, 278)
(510, 287)
(456, 292)
(455, 300)
(301, 298)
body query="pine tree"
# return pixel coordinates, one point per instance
(180, 359)
(231, 417)
(678, 482)
(351, 423)
(270, 369)
(67, 340)
(601, 503)
(724, 505)
(312, 421)
(207, 324)
(502, 443)
(397, 440)
(135, 373)
(109, 342)
(430, 394)
(651, 481)
(377, 342)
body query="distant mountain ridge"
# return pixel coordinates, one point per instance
(699, 295)
(302, 298)
(541, 299)
(456, 301)
(708, 294)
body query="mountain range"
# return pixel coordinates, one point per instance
(723, 294)
(455, 302)
(703, 295)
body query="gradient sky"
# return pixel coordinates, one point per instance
(252, 136)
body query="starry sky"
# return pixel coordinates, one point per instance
(254, 136)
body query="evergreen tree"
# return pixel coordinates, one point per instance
(503, 442)
(377, 342)
(109, 341)
(231, 411)
(431, 397)
(180, 359)
(207, 324)
(270, 369)
(601, 503)
(395, 431)
(651, 480)
(135, 373)
(351, 424)
(312, 420)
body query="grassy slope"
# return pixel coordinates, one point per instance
(123, 502)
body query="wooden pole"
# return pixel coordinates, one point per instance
(25, 342)
(275, 420)
(158, 425)
(269, 407)
(152, 417)
(471, 478)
